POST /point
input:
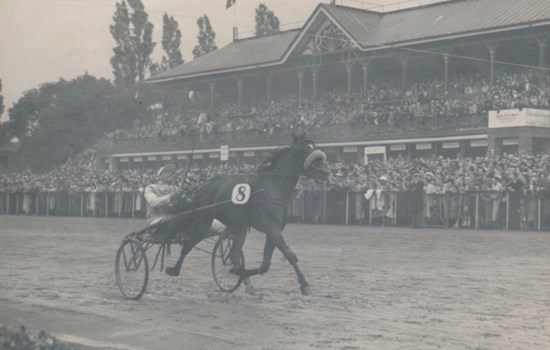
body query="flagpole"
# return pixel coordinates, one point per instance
(235, 16)
(233, 3)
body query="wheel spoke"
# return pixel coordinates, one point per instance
(222, 264)
(132, 269)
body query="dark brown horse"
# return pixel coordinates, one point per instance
(259, 201)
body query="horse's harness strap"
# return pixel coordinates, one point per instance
(266, 198)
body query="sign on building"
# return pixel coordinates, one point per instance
(478, 143)
(224, 153)
(511, 118)
(375, 152)
(398, 147)
(350, 149)
(450, 145)
(423, 146)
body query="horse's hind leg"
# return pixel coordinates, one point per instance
(239, 237)
(187, 247)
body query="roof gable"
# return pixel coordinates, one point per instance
(243, 53)
(359, 24)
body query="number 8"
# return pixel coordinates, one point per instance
(241, 194)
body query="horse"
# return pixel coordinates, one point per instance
(263, 197)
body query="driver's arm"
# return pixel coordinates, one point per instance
(155, 201)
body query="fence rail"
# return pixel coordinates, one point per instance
(80, 204)
(476, 210)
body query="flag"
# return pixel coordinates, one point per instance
(229, 3)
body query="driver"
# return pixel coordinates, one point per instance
(163, 197)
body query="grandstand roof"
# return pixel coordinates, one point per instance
(370, 30)
(451, 18)
(253, 52)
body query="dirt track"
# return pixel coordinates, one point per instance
(373, 288)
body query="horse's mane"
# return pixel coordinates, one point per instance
(273, 160)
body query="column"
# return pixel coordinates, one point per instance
(494, 145)
(446, 58)
(365, 67)
(349, 70)
(185, 100)
(269, 83)
(212, 90)
(240, 90)
(300, 73)
(463, 145)
(525, 145)
(314, 75)
(541, 40)
(404, 64)
(162, 100)
(339, 154)
(492, 54)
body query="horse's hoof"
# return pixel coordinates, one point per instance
(171, 271)
(250, 290)
(306, 290)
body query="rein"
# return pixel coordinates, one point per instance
(189, 161)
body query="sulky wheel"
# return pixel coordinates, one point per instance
(221, 264)
(132, 269)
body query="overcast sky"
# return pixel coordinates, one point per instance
(45, 40)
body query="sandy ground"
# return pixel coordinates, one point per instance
(373, 288)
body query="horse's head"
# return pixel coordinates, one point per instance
(314, 158)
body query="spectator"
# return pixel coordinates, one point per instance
(496, 196)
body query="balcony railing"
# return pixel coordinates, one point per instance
(327, 133)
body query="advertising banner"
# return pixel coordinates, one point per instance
(510, 118)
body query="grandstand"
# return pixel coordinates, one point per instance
(455, 94)
(457, 78)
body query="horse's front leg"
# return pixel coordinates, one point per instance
(239, 237)
(293, 260)
(187, 247)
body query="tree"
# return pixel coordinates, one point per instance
(171, 41)
(266, 21)
(206, 38)
(133, 34)
(4, 139)
(59, 120)
(1, 99)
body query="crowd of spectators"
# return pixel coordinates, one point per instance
(385, 107)
(440, 174)
(447, 183)
(450, 186)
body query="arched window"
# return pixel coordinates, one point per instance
(331, 38)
